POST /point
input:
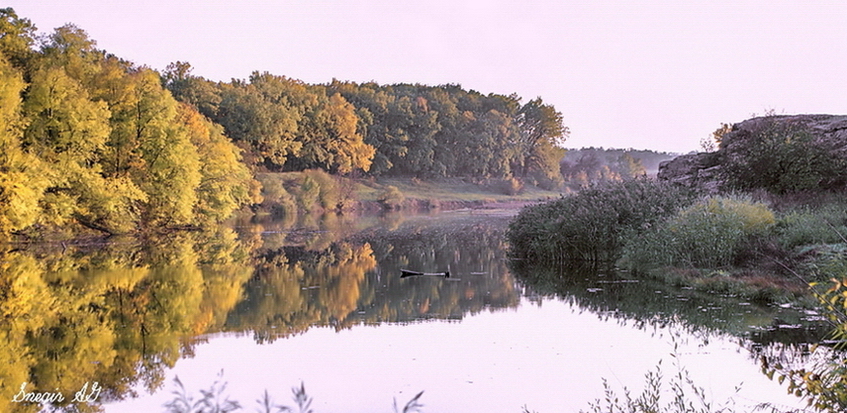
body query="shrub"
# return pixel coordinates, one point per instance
(308, 193)
(707, 234)
(592, 224)
(803, 226)
(391, 198)
(275, 198)
(508, 186)
(782, 159)
(329, 195)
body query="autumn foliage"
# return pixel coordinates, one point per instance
(92, 141)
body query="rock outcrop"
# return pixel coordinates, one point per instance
(695, 170)
(703, 170)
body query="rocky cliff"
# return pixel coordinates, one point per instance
(704, 170)
(695, 170)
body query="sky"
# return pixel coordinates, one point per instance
(658, 75)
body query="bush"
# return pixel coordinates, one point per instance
(391, 198)
(329, 195)
(592, 224)
(508, 186)
(308, 193)
(782, 159)
(708, 234)
(275, 198)
(804, 226)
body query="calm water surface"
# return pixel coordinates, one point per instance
(271, 305)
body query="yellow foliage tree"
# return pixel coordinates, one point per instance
(226, 184)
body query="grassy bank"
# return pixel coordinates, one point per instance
(310, 191)
(762, 247)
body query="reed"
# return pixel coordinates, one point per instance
(593, 224)
(215, 400)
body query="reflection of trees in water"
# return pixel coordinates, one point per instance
(357, 281)
(118, 313)
(294, 289)
(472, 249)
(121, 313)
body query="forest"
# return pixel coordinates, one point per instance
(580, 167)
(90, 142)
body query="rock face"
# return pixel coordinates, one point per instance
(703, 170)
(696, 170)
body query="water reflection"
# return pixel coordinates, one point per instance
(357, 281)
(122, 313)
(651, 303)
(118, 313)
(781, 339)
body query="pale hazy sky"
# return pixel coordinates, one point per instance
(643, 74)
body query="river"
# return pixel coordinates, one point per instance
(271, 305)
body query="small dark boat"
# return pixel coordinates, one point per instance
(409, 273)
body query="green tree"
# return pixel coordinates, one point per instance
(629, 167)
(21, 181)
(268, 127)
(72, 49)
(65, 125)
(372, 103)
(69, 130)
(202, 94)
(541, 136)
(330, 137)
(171, 163)
(17, 38)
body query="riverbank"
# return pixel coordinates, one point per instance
(763, 247)
(315, 191)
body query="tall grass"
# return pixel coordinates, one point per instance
(215, 400)
(593, 224)
(806, 226)
(708, 234)
(686, 396)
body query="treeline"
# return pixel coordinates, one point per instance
(88, 139)
(403, 129)
(589, 165)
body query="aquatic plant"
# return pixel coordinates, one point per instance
(214, 400)
(593, 224)
(411, 406)
(822, 382)
(687, 397)
(708, 234)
